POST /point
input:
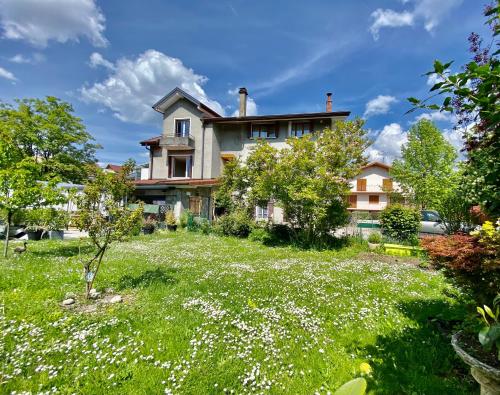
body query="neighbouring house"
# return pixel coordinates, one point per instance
(186, 159)
(141, 172)
(370, 190)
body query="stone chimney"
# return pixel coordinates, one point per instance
(328, 102)
(243, 102)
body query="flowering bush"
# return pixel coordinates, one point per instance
(473, 261)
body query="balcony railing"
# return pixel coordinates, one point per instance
(177, 141)
(370, 188)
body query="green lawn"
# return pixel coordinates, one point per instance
(211, 315)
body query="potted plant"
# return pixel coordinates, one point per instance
(482, 353)
(374, 240)
(171, 221)
(56, 223)
(34, 224)
(148, 226)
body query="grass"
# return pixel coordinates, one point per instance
(212, 315)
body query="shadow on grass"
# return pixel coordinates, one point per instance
(421, 360)
(62, 250)
(149, 277)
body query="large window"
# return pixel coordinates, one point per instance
(180, 166)
(373, 199)
(264, 131)
(361, 184)
(300, 129)
(182, 127)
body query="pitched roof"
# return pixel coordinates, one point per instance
(377, 164)
(176, 94)
(115, 168)
(151, 141)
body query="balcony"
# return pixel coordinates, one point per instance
(176, 141)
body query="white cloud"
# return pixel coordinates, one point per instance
(389, 18)
(429, 12)
(437, 116)
(7, 74)
(454, 137)
(380, 105)
(96, 59)
(387, 145)
(33, 59)
(134, 85)
(38, 21)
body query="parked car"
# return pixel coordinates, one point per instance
(432, 223)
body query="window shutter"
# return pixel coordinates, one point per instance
(361, 184)
(387, 184)
(353, 201)
(373, 199)
(270, 210)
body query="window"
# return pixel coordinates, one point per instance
(180, 166)
(195, 205)
(430, 216)
(263, 131)
(300, 129)
(261, 213)
(361, 184)
(387, 184)
(353, 201)
(373, 199)
(182, 127)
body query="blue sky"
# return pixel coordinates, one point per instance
(113, 59)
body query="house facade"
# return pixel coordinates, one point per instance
(370, 190)
(186, 159)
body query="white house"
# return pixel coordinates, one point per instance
(369, 189)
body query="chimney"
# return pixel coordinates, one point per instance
(328, 102)
(243, 102)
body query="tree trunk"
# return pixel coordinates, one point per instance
(7, 231)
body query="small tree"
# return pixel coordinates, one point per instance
(400, 223)
(425, 170)
(104, 215)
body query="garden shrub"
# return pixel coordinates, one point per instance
(472, 261)
(238, 223)
(261, 235)
(183, 219)
(375, 238)
(205, 226)
(191, 224)
(400, 223)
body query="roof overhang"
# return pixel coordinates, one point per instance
(280, 117)
(177, 94)
(377, 164)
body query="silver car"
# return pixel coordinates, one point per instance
(432, 223)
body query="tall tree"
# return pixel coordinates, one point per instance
(47, 132)
(473, 95)
(425, 170)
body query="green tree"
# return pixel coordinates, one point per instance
(472, 94)
(47, 132)
(425, 170)
(102, 212)
(308, 179)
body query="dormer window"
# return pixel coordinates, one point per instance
(300, 129)
(182, 127)
(263, 131)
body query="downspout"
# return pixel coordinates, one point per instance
(150, 162)
(202, 149)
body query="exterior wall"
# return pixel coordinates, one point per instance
(159, 161)
(374, 176)
(184, 109)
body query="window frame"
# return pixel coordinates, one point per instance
(188, 173)
(260, 131)
(182, 134)
(259, 213)
(293, 130)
